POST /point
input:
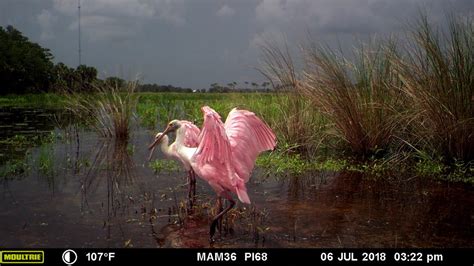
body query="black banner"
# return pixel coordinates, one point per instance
(79, 256)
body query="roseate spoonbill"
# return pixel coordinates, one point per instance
(226, 153)
(190, 140)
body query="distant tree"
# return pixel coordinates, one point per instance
(63, 77)
(25, 66)
(265, 85)
(86, 76)
(115, 82)
(232, 85)
(215, 87)
(255, 86)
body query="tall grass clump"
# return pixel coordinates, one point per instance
(298, 125)
(437, 69)
(360, 96)
(108, 110)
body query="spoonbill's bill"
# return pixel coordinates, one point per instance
(226, 153)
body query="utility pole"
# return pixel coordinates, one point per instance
(79, 29)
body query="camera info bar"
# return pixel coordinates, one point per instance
(271, 256)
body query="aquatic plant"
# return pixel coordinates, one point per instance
(15, 167)
(46, 160)
(108, 111)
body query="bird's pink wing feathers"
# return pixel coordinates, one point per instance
(248, 137)
(213, 142)
(214, 150)
(234, 145)
(191, 137)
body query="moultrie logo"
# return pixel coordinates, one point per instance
(21, 257)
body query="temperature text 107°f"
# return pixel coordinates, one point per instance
(100, 256)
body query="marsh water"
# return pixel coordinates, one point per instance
(83, 191)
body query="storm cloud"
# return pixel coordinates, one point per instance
(193, 43)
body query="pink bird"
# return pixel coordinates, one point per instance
(190, 140)
(226, 153)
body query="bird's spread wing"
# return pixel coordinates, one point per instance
(191, 137)
(214, 146)
(248, 137)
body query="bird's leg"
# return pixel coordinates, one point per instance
(190, 197)
(193, 175)
(219, 210)
(216, 218)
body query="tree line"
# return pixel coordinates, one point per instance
(26, 67)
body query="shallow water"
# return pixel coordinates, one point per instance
(94, 193)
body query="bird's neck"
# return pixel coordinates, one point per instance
(185, 152)
(165, 148)
(180, 135)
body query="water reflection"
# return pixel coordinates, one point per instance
(349, 210)
(111, 168)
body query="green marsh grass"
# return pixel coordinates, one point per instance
(42, 100)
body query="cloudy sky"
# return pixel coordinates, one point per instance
(193, 43)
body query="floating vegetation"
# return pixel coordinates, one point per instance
(282, 163)
(24, 140)
(21, 144)
(15, 167)
(164, 166)
(459, 171)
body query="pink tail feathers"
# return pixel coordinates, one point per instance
(241, 191)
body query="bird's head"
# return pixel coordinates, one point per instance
(158, 139)
(171, 127)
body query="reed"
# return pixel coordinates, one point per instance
(361, 97)
(109, 110)
(437, 69)
(298, 125)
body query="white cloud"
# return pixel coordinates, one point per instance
(46, 21)
(225, 11)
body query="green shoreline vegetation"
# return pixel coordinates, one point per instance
(288, 159)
